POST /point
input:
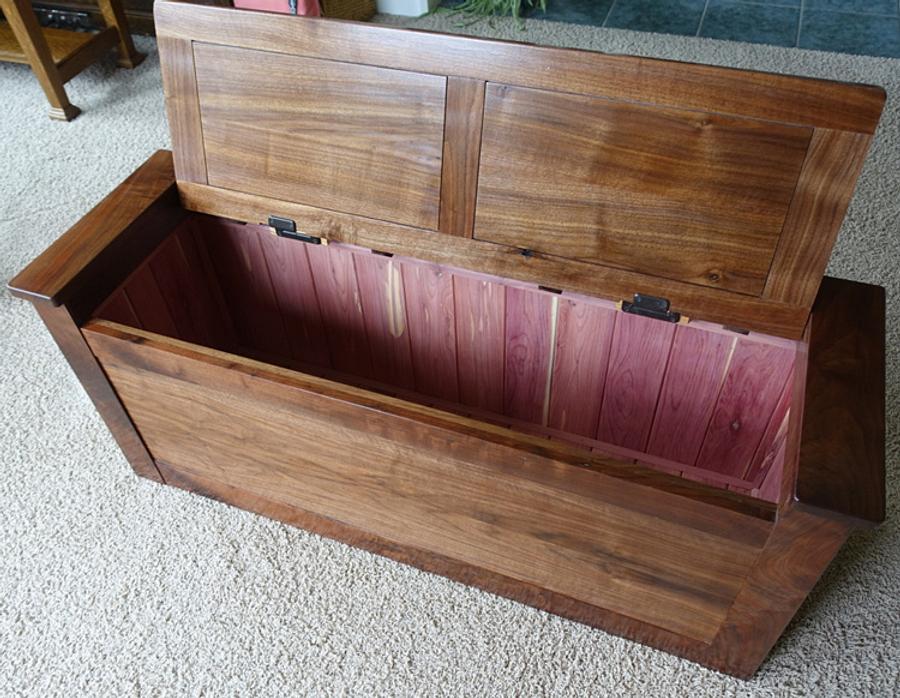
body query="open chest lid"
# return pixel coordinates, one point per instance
(719, 190)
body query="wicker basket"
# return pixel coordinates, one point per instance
(360, 10)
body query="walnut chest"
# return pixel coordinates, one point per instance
(549, 322)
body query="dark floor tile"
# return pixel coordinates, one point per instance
(845, 32)
(575, 11)
(759, 24)
(878, 7)
(663, 16)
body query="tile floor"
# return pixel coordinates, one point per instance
(864, 27)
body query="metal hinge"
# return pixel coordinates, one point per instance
(287, 228)
(652, 307)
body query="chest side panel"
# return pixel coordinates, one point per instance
(685, 195)
(351, 138)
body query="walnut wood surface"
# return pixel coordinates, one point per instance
(684, 195)
(715, 187)
(767, 96)
(351, 138)
(179, 80)
(82, 267)
(426, 487)
(823, 194)
(842, 458)
(462, 149)
(798, 551)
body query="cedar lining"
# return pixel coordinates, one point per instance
(475, 345)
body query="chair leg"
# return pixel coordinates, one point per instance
(27, 31)
(114, 16)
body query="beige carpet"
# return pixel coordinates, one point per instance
(113, 586)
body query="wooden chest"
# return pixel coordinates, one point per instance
(548, 322)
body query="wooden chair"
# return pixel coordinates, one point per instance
(56, 55)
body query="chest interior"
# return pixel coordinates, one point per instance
(696, 400)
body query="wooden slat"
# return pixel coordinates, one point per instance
(529, 344)
(842, 460)
(205, 305)
(148, 303)
(292, 283)
(341, 308)
(118, 309)
(420, 486)
(480, 309)
(361, 139)
(694, 376)
(176, 57)
(637, 363)
(186, 292)
(756, 376)
(678, 194)
(462, 148)
(428, 293)
(583, 335)
(760, 95)
(243, 275)
(772, 445)
(384, 307)
(823, 194)
(569, 275)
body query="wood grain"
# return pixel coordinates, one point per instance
(149, 304)
(462, 345)
(174, 266)
(342, 312)
(684, 195)
(384, 307)
(118, 308)
(176, 57)
(462, 150)
(842, 460)
(756, 377)
(530, 326)
(428, 291)
(772, 445)
(637, 364)
(823, 194)
(713, 305)
(480, 310)
(292, 283)
(243, 276)
(420, 487)
(796, 554)
(583, 336)
(767, 96)
(362, 139)
(694, 377)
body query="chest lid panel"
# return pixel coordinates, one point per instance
(721, 190)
